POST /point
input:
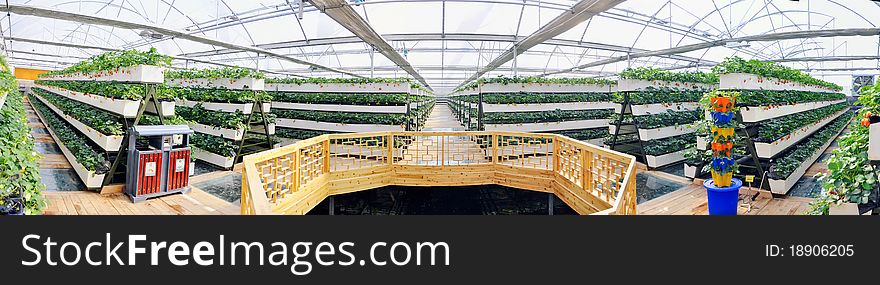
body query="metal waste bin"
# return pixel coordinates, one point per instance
(159, 161)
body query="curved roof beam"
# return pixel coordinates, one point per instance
(51, 13)
(579, 12)
(756, 38)
(342, 13)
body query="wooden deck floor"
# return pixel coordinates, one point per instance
(196, 202)
(691, 200)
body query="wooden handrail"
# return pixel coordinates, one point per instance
(294, 178)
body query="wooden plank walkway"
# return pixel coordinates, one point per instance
(196, 202)
(691, 200)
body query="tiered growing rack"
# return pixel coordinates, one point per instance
(652, 118)
(787, 125)
(229, 115)
(577, 108)
(89, 114)
(316, 106)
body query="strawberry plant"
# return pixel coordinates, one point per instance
(220, 95)
(545, 116)
(651, 95)
(320, 80)
(299, 134)
(774, 129)
(212, 144)
(751, 98)
(214, 73)
(19, 170)
(86, 154)
(850, 176)
(786, 164)
(669, 145)
(380, 99)
(217, 119)
(100, 120)
(771, 70)
(538, 98)
(115, 59)
(342, 117)
(108, 89)
(649, 73)
(584, 134)
(667, 119)
(535, 80)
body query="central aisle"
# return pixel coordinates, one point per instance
(441, 119)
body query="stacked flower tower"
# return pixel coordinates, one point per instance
(723, 189)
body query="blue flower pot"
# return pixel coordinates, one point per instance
(722, 118)
(723, 200)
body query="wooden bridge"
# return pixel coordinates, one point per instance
(295, 178)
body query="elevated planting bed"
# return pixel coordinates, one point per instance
(90, 178)
(327, 105)
(106, 142)
(551, 105)
(790, 116)
(221, 103)
(654, 112)
(137, 73)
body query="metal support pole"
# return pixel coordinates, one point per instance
(550, 204)
(332, 205)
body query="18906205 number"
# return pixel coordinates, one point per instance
(807, 250)
(821, 250)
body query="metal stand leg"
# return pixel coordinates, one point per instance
(332, 205)
(550, 204)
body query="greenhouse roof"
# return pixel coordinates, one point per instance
(449, 43)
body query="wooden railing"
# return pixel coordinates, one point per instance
(295, 178)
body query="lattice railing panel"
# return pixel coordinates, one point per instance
(443, 149)
(606, 176)
(278, 176)
(570, 161)
(273, 176)
(311, 163)
(358, 153)
(530, 151)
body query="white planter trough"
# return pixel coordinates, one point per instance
(768, 150)
(125, 108)
(597, 142)
(245, 108)
(247, 83)
(136, 73)
(340, 108)
(781, 186)
(664, 132)
(109, 143)
(661, 160)
(636, 84)
(544, 88)
(548, 127)
(336, 127)
(702, 143)
(89, 178)
(341, 87)
(511, 108)
(745, 81)
(212, 158)
(650, 109)
(232, 134)
(757, 114)
(690, 171)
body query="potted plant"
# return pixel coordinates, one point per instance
(722, 189)
(11, 204)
